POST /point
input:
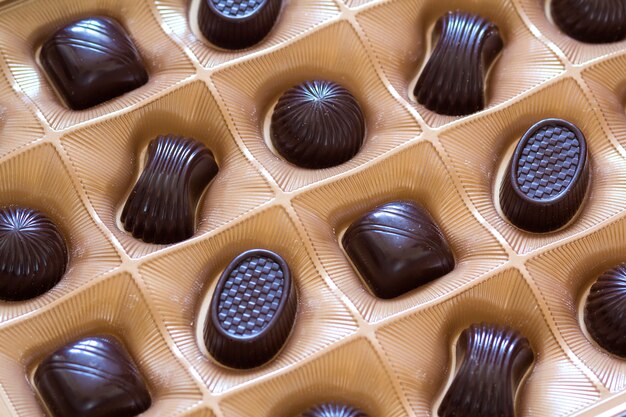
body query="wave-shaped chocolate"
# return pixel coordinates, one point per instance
(397, 247)
(162, 206)
(334, 409)
(493, 359)
(547, 177)
(591, 21)
(91, 61)
(33, 254)
(317, 124)
(605, 311)
(93, 377)
(453, 80)
(252, 310)
(237, 24)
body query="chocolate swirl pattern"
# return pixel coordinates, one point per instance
(317, 124)
(162, 206)
(33, 254)
(397, 247)
(591, 21)
(334, 410)
(605, 310)
(453, 81)
(93, 377)
(493, 359)
(91, 61)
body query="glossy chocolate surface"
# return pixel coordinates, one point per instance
(396, 248)
(317, 124)
(252, 310)
(33, 254)
(547, 178)
(91, 61)
(491, 362)
(333, 409)
(237, 24)
(93, 377)
(605, 311)
(591, 21)
(162, 206)
(453, 80)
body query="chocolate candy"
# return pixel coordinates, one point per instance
(605, 310)
(317, 124)
(237, 24)
(547, 177)
(162, 206)
(334, 410)
(591, 21)
(453, 80)
(396, 248)
(91, 61)
(93, 377)
(494, 360)
(252, 310)
(33, 254)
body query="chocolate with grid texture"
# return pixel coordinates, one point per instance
(605, 310)
(397, 247)
(334, 409)
(252, 310)
(33, 254)
(453, 80)
(162, 206)
(91, 61)
(237, 24)
(93, 377)
(591, 21)
(491, 362)
(317, 124)
(547, 178)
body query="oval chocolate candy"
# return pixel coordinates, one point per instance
(547, 178)
(252, 310)
(591, 21)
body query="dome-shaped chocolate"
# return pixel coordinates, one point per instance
(33, 254)
(333, 409)
(317, 124)
(591, 21)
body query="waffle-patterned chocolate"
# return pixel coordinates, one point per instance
(591, 21)
(333, 409)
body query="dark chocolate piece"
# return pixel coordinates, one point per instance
(453, 80)
(162, 206)
(317, 124)
(591, 21)
(93, 377)
(252, 310)
(91, 61)
(33, 254)
(334, 410)
(605, 311)
(491, 362)
(396, 248)
(547, 178)
(237, 24)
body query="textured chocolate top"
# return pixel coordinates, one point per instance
(317, 124)
(93, 377)
(605, 311)
(491, 361)
(591, 21)
(33, 254)
(453, 80)
(91, 61)
(334, 409)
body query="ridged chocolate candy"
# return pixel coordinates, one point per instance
(252, 310)
(605, 311)
(237, 24)
(453, 80)
(493, 359)
(547, 178)
(93, 377)
(33, 254)
(91, 61)
(162, 206)
(317, 124)
(591, 21)
(334, 409)
(397, 247)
